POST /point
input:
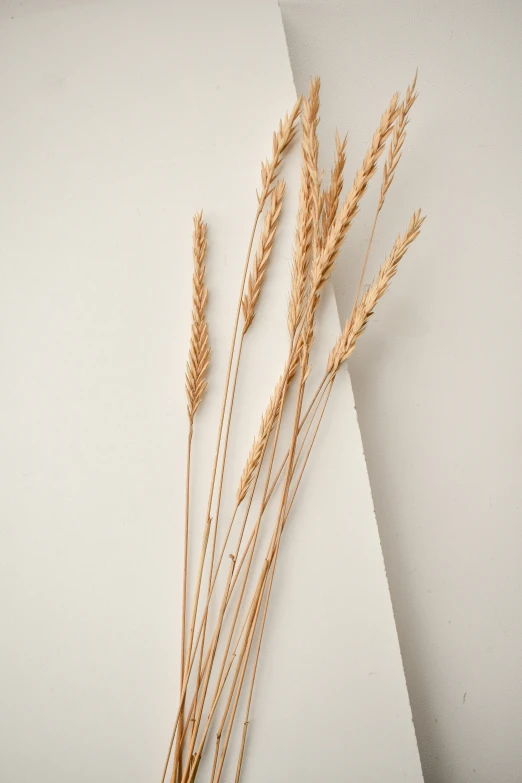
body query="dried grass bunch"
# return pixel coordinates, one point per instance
(220, 650)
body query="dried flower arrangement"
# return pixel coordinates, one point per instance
(213, 669)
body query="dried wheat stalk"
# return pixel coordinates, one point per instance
(195, 385)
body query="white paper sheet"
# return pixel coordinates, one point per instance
(120, 120)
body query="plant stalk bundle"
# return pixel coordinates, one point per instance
(223, 621)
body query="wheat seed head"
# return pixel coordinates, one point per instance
(280, 143)
(333, 194)
(263, 254)
(356, 324)
(305, 217)
(397, 142)
(324, 262)
(199, 350)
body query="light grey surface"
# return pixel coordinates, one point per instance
(121, 119)
(438, 377)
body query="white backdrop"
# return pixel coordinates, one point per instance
(121, 119)
(439, 382)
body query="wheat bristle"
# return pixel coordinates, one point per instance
(199, 351)
(266, 242)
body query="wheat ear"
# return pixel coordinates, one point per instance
(355, 325)
(326, 259)
(282, 137)
(311, 154)
(397, 141)
(266, 242)
(267, 424)
(199, 352)
(260, 441)
(333, 194)
(304, 230)
(394, 156)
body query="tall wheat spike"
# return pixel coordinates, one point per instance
(304, 230)
(195, 385)
(199, 352)
(333, 194)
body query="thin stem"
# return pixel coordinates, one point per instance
(309, 448)
(263, 506)
(290, 464)
(218, 506)
(240, 675)
(223, 680)
(237, 573)
(327, 390)
(251, 543)
(208, 673)
(185, 576)
(249, 625)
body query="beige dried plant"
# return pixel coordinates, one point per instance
(215, 666)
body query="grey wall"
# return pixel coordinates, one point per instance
(438, 377)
